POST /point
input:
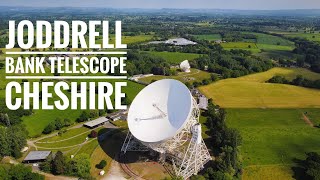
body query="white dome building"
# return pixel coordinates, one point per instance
(185, 66)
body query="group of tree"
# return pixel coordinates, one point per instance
(78, 166)
(308, 168)
(13, 133)
(224, 143)
(232, 63)
(298, 81)
(86, 115)
(57, 124)
(18, 172)
(310, 51)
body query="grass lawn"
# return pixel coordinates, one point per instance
(251, 91)
(67, 142)
(194, 75)
(174, 57)
(70, 133)
(268, 172)
(272, 139)
(208, 37)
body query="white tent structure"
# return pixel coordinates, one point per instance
(185, 66)
(164, 117)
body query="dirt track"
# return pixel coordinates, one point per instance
(307, 120)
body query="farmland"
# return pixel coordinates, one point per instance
(272, 139)
(251, 91)
(249, 46)
(264, 42)
(174, 57)
(194, 75)
(209, 37)
(306, 35)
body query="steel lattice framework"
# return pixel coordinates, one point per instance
(186, 150)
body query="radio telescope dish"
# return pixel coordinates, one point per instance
(160, 111)
(164, 118)
(185, 66)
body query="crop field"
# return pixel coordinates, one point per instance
(264, 42)
(309, 36)
(239, 45)
(194, 75)
(272, 40)
(272, 139)
(251, 91)
(126, 39)
(209, 37)
(174, 57)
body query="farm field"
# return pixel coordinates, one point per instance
(249, 46)
(251, 92)
(272, 139)
(263, 42)
(174, 57)
(209, 37)
(272, 40)
(194, 75)
(128, 39)
(309, 36)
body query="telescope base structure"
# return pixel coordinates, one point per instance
(132, 144)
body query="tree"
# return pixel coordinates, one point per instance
(312, 166)
(49, 128)
(67, 122)
(59, 123)
(58, 164)
(83, 117)
(93, 134)
(81, 165)
(20, 172)
(102, 164)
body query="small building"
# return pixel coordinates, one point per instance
(95, 123)
(203, 102)
(120, 115)
(36, 156)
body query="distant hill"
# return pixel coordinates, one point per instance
(8, 10)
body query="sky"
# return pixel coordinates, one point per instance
(157, 4)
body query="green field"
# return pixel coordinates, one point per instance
(174, 57)
(272, 138)
(309, 36)
(194, 75)
(128, 39)
(41, 118)
(263, 42)
(249, 46)
(209, 37)
(271, 40)
(251, 91)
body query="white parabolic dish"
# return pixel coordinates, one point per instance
(160, 111)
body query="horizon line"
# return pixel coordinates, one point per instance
(162, 8)
(66, 77)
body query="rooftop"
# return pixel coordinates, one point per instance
(96, 122)
(37, 155)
